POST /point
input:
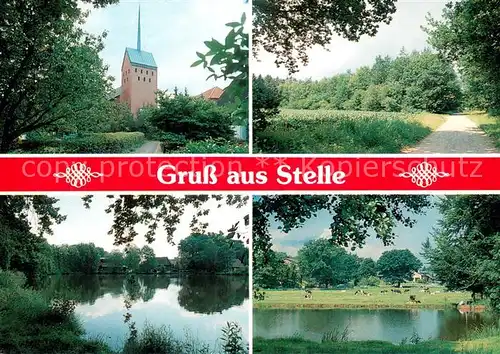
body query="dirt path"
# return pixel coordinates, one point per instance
(458, 135)
(149, 147)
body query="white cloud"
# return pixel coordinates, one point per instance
(404, 31)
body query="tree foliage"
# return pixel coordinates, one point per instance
(229, 61)
(323, 263)
(265, 101)
(464, 251)
(288, 28)
(353, 218)
(468, 35)
(275, 273)
(397, 266)
(210, 253)
(417, 81)
(193, 118)
(51, 70)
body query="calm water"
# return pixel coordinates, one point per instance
(386, 325)
(200, 304)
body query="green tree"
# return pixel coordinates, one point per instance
(326, 264)
(51, 70)
(132, 258)
(148, 259)
(367, 267)
(397, 266)
(210, 252)
(266, 100)
(289, 28)
(468, 36)
(464, 253)
(115, 258)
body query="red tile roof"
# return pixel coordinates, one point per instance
(213, 94)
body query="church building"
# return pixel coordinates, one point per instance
(139, 81)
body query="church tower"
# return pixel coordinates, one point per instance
(139, 76)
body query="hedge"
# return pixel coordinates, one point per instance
(94, 143)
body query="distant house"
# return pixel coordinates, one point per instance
(164, 264)
(289, 260)
(214, 94)
(105, 267)
(421, 277)
(237, 266)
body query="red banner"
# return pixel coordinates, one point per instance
(248, 173)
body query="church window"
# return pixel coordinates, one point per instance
(146, 72)
(141, 71)
(149, 80)
(135, 69)
(153, 73)
(138, 78)
(144, 79)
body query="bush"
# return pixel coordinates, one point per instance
(92, 143)
(11, 280)
(29, 324)
(370, 281)
(193, 117)
(214, 147)
(172, 141)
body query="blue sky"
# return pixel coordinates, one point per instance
(173, 30)
(408, 238)
(92, 225)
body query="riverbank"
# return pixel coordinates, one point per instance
(436, 298)
(301, 346)
(32, 322)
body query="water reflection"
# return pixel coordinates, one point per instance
(200, 304)
(365, 324)
(212, 295)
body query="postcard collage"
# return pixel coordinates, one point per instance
(315, 269)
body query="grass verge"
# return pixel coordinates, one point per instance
(301, 346)
(31, 324)
(328, 131)
(488, 123)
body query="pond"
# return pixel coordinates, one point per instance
(365, 324)
(196, 305)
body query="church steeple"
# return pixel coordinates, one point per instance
(139, 30)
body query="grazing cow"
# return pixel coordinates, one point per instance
(308, 295)
(407, 290)
(383, 291)
(396, 291)
(362, 292)
(413, 299)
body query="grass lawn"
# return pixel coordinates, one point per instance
(297, 345)
(490, 125)
(329, 131)
(328, 299)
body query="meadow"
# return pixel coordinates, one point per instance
(330, 299)
(330, 131)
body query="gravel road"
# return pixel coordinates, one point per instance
(458, 135)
